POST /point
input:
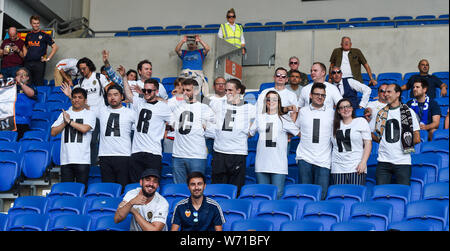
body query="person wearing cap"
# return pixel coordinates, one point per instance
(116, 123)
(148, 207)
(198, 212)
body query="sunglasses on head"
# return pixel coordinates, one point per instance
(336, 72)
(147, 90)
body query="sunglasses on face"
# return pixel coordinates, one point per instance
(382, 91)
(293, 63)
(345, 107)
(231, 16)
(336, 72)
(148, 90)
(319, 95)
(280, 76)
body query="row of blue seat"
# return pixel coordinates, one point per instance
(290, 25)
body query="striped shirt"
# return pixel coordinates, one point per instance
(205, 218)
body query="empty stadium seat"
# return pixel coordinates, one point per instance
(106, 223)
(429, 212)
(436, 191)
(254, 26)
(37, 136)
(377, 213)
(29, 204)
(419, 177)
(302, 194)
(276, 26)
(356, 22)
(9, 147)
(104, 189)
(277, 212)
(438, 147)
(8, 136)
(325, 212)
(443, 76)
(36, 159)
(62, 189)
(409, 226)
(264, 86)
(130, 187)
(9, 171)
(293, 25)
(347, 195)
(419, 20)
(443, 175)
(3, 221)
(252, 225)
(70, 223)
(174, 193)
(234, 210)
(65, 206)
(381, 21)
(301, 225)
(395, 194)
(192, 29)
(403, 20)
(28, 222)
(390, 77)
(101, 207)
(257, 193)
(353, 226)
(428, 160)
(211, 28)
(226, 191)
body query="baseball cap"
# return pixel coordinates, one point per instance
(150, 172)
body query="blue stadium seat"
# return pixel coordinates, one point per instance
(8, 136)
(9, 171)
(57, 98)
(130, 187)
(301, 225)
(106, 223)
(347, 195)
(173, 29)
(3, 221)
(277, 26)
(70, 223)
(277, 212)
(64, 189)
(366, 79)
(331, 23)
(36, 159)
(192, 29)
(37, 136)
(104, 189)
(168, 81)
(56, 152)
(293, 25)
(353, 226)
(315, 24)
(443, 76)
(252, 224)
(254, 26)
(403, 20)
(302, 194)
(409, 226)
(28, 222)
(443, 175)
(151, 28)
(419, 177)
(251, 97)
(325, 212)
(419, 20)
(439, 147)
(234, 210)
(40, 107)
(395, 194)
(226, 191)
(408, 75)
(264, 86)
(65, 206)
(377, 213)
(430, 212)
(357, 22)
(211, 28)
(102, 207)
(436, 191)
(257, 193)
(174, 193)
(95, 175)
(29, 204)
(136, 28)
(430, 161)
(382, 21)
(390, 77)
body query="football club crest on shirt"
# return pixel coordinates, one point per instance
(187, 213)
(94, 82)
(40, 37)
(149, 216)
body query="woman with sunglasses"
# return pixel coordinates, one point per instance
(352, 145)
(231, 32)
(273, 126)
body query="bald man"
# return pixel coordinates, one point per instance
(12, 52)
(433, 81)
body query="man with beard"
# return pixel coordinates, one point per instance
(147, 206)
(198, 212)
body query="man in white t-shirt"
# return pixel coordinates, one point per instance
(288, 98)
(189, 121)
(65, 70)
(373, 107)
(231, 133)
(116, 123)
(151, 116)
(77, 125)
(148, 207)
(316, 130)
(397, 130)
(318, 73)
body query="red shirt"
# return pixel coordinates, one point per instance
(13, 58)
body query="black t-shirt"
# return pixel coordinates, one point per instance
(36, 43)
(433, 83)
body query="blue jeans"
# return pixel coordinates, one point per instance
(274, 179)
(312, 174)
(182, 167)
(210, 145)
(10, 72)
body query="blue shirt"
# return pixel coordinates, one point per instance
(192, 59)
(36, 43)
(433, 84)
(209, 215)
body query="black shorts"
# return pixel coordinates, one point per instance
(228, 169)
(141, 161)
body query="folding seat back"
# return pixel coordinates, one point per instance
(67, 189)
(325, 212)
(105, 189)
(234, 210)
(36, 159)
(439, 147)
(277, 211)
(28, 222)
(264, 86)
(107, 223)
(430, 212)
(419, 177)
(226, 191)
(252, 225)
(8, 136)
(441, 134)
(29, 204)
(130, 187)
(353, 226)
(174, 193)
(257, 193)
(346, 194)
(65, 206)
(443, 175)
(301, 225)
(9, 171)
(377, 213)
(430, 161)
(409, 226)
(70, 223)
(9, 147)
(101, 207)
(395, 194)
(436, 191)
(302, 194)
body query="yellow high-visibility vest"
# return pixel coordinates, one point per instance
(232, 37)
